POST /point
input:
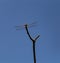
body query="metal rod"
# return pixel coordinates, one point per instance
(34, 55)
(28, 32)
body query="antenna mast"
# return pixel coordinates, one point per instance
(33, 41)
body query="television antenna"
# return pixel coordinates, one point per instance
(26, 26)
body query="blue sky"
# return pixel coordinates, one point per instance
(15, 46)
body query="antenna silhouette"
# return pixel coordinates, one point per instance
(33, 40)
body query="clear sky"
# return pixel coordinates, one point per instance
(15, 46)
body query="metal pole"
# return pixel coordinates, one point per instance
(33, 41)
(34, 55)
